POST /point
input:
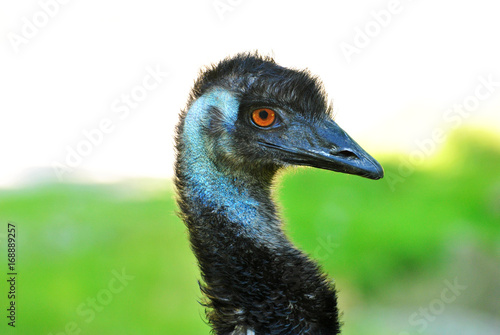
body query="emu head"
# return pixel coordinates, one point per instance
(249, 114)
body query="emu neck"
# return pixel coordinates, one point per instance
(254, 279)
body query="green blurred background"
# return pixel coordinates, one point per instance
(115, 259)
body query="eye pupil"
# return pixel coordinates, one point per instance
(263, 114)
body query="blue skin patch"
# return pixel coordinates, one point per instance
(207, 184)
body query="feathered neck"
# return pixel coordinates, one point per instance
(254, 279)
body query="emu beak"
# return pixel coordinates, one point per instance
(333, 149)
(329, 147)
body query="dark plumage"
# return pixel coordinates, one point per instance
(254, 280)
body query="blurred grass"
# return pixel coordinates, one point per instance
(389, 248)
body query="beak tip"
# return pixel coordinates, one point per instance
(377, 171)
(378, 175)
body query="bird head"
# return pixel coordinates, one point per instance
(255, 114)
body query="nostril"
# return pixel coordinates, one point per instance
(347, 154)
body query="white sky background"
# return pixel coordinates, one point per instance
(64, 79)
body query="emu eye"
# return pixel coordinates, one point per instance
(263, 117)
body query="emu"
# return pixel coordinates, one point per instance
(246, 118)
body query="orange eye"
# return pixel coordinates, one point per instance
(263, 117)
